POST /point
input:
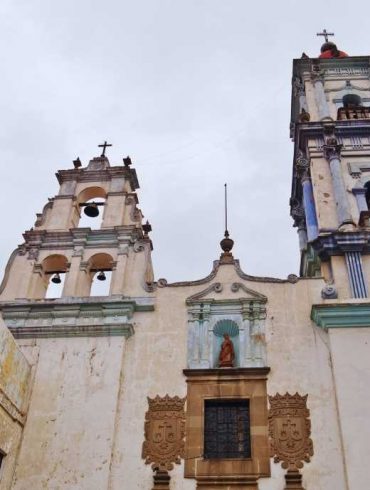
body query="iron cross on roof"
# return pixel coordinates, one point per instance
(325, 34)
(104, 146)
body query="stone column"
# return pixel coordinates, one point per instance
(193, 354)
(204, 348)
(320, 97)
(72, 275)
(309, 208)
(302, 235)
(332, 154)
(298, 214)
(118, 274)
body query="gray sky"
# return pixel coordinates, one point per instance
(197, 92)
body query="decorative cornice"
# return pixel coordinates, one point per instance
(105, 174)
(216, 287)
(341, 315)
(162, 283)
(85, 237)
(247, 277)
(73, 317)
(336, 243)
(255, 296)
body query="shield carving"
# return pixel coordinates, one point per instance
(289, 430)
(164, 432)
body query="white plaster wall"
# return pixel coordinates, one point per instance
(351, 366)
(298, 355)
(85, 430)
(69, 433)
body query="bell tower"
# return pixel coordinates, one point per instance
(58, 247)
(330, 128)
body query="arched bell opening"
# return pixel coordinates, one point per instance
(91, 202)
(100, 272)
(54, 268)
(225, 329)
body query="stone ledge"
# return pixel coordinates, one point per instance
(341, 315)
(73, 317)
(224, 373)
(126, 330)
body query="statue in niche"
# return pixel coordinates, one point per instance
(227, 354)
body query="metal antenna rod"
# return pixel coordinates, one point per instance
(225, 208)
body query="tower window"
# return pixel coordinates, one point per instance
(353, 108)
(226, 429)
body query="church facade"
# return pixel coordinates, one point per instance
(228, 382)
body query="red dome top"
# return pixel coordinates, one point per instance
(330, 54)
(330, 50)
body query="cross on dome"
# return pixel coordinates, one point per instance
(325, 34)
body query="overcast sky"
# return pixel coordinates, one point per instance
(197, 92)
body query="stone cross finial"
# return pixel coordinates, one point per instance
(325, 34)
(104, 146)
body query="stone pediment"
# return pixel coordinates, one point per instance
(229, 293)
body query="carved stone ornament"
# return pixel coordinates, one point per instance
(290, 430)
(164, 432)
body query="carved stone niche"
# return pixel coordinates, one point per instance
(233, 386)
(241, 316)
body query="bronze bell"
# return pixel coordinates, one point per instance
(56, 279)
(91, 210)
(101, 276)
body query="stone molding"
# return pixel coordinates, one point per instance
(79, 239)
(341, 315)
(73, 317)
(162, 283)
(226, 383)
(356, 169)
(105, 174)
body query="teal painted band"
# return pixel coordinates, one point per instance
(341, 315)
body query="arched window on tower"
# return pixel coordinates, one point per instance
(91, 202)
(100, 272)
(353, 108)
(54, 269)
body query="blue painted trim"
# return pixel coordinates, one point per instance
(341, 315)
(310, 211)
(356, 275)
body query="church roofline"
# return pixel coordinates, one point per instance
(292, 278)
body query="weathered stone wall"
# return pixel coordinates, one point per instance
(14, 389)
